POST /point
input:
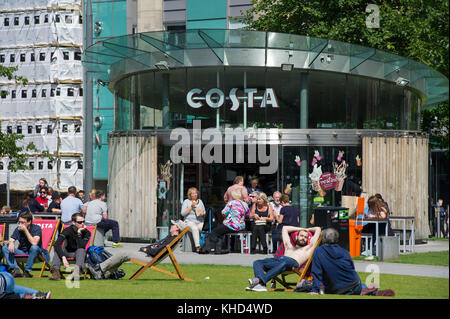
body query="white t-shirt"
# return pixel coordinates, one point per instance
(94, 211)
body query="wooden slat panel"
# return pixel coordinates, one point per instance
(397, 168)
(132, 185)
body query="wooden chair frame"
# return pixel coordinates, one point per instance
(2, 234)
(2, 238)
(290, 286)
(167, 251)
(21, 259)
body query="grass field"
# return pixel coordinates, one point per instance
(225, 282)
(438, 258)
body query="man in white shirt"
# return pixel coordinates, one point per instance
(96, 214)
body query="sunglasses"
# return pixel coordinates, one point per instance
(80, 222)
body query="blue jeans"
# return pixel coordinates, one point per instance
(11, 287)
(357, 290)
(272, 267)
(32, 254)
(110, 224)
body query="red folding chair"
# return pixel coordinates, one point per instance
(92, 229)
(49, 229)
(2, 234)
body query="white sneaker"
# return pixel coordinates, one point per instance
(253, 282)
(259, 287)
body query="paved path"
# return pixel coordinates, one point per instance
(247, 260)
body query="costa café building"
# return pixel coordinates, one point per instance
(318, 118)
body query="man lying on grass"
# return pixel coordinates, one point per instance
(294, 256)
(333, 267)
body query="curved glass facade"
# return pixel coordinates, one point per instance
(153, 100)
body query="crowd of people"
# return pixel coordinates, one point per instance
(76, 212)
(245, 208)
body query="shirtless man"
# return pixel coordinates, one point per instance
(294, 256)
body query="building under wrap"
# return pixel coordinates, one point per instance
(43, 38)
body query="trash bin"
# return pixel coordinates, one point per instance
(355, 228)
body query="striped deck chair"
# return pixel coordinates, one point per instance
(2, 234)
(304, 272)
(49, 229)
(2, 238)
(92, 229)
(167, 251)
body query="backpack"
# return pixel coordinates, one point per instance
(96, 255)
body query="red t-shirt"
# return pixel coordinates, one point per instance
(42, 201)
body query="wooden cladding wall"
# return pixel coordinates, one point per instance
(132, 184)
(397, 168)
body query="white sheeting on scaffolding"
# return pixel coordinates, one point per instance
(44, 134)
(43, 38)
(41, 101)
(40, 28)
(14, 5)
(71, 173)
(44, 64)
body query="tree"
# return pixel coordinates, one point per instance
(416, 29)
(436, 123)
(8, 141)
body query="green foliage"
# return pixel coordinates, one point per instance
(8, 72)
(415, 29)
(435, 121)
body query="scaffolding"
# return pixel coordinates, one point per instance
(43, 38)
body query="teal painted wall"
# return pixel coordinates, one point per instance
(113, 16)
(206, 14)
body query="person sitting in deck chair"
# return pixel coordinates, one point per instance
(153, 249)
(110, 265)
(294, 256)
(29, 237)
(333, 266)
(75, 237)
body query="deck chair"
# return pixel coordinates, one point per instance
(2, 234)
(167, 251)
(2, 237)
(49, 229)
(300, 272)
(92, 229)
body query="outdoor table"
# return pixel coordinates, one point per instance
(412, 237)
(377, 221)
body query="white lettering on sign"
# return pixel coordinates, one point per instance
(46, 225)
(215, 98)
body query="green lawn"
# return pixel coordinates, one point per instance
(439, 258)
(225, 282)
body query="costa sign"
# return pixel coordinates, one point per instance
(215, 98)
